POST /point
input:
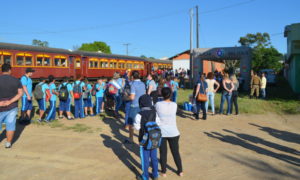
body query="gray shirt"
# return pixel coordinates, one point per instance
(153, 84)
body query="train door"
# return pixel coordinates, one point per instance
(77, 67)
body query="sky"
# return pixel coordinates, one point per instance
(156, 28)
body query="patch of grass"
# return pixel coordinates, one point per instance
(79, 128)
(280, 99)
(56, 124)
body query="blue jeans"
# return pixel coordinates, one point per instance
(263, 93)
(146, 156)
(127, 111)
(211, 99)
(132, 113)
(9, 118)
(174, 96)
(225, 96)
(99, 101)
(118, 101)
(52, 112)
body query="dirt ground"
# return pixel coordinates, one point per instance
(222, 147)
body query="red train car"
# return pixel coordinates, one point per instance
(62, 62)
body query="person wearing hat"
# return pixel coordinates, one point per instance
(27, 96)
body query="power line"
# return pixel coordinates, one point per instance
(126, 44)
(126, 22)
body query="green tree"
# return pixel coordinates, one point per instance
(37, 42)
(264, 55)
(96, 46)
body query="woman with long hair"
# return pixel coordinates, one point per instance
(226, 94)
(201, 88)
(152, 87)
(211, 90)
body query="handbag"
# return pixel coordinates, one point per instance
(201, 97)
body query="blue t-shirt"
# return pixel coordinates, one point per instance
(100, 92)
(138, 89)
(44, 88)
(175, 85)
(203, 86)
(69, 88)
(89, 88)
(26, 81)
(52, 87)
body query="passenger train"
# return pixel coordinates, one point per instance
(61, 62)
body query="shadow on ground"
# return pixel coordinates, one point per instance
(246, 141)
(18, 132)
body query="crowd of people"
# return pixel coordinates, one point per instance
(151, 100)
(149, 105)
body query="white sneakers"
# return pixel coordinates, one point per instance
(7, 145)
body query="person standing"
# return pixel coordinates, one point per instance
(137, 89)
(263, 85)
(11, 91)
(201, 88)
(117, 82)
(52, 110)
(235, 94)
(87, 99)
(175, 86)
(65, 98)
(78, 88)
(27, 96)
(166, 111)
(211, 90)
(42, 102)
(255, 84)
(100, 88)
(147, 114)
(228, 87)
(152, 88)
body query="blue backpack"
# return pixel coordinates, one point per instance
(152, 136)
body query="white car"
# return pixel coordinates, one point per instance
(270, 75)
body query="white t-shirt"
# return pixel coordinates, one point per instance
(167, 114)
(263, 82)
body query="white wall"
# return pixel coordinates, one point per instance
(183, 63)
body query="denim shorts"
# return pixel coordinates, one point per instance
(65, 105)
(9, 118)
(132, 113)
(88, 102)
(42, 104)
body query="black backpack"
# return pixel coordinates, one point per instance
(38, 92)
(126, 92)
(63, 92)
(152, 134)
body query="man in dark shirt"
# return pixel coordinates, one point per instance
(10, 92)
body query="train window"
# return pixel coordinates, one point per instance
(63, 62)
(46, 61)
(91, 64)
(39, 61)
(28, 60)
(20, 60)
(115, 65)
(102, 65)
(110, 65)
(129, 66)
(121, 66)
(95, 64)
(7, 59)
(77, 63)
(135, 66)
(56, 62)
(142, 66)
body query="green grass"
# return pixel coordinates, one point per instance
(280, 99)
(79, 128)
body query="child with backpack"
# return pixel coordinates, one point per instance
(39, 94)
(146, 121)
(87, 98)
(52, 112)
(78, 88)
(99, 88)
(65, 96)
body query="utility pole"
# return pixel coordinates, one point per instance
(197, 26)
(191, 45)
(127, 44)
